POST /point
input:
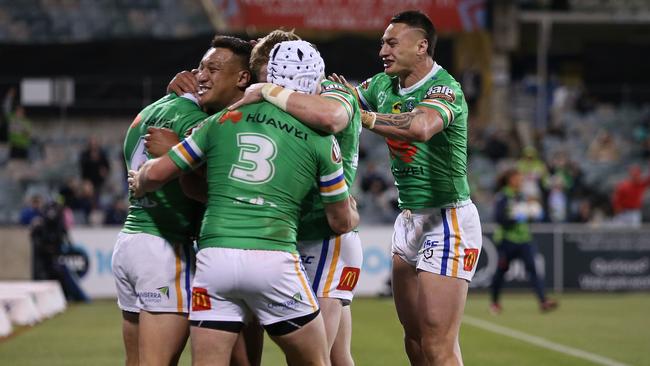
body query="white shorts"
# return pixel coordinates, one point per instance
(444, 241)
(230, 282)
(333, 264)
(151, 274)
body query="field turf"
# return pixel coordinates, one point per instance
(587, 329)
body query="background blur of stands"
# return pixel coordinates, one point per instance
(82, 69)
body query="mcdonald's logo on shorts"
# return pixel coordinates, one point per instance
(200, 299)
(349, 278)
(471, 256)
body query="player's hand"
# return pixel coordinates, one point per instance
(368, 119)
(341, 80)
(134, 184)
(158, 141)
(253, 94)
(184, 82)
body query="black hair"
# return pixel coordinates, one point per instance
(238, 46)
(419, 20)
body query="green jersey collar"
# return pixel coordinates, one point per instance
(434, 69)
(191, 97)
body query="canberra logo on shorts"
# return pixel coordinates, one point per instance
(440, 92)
(349, 278)
(200, 299)
(164, 291)
(470, 259)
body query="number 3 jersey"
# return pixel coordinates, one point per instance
(261, 163)
(432, 173)
(166, 213)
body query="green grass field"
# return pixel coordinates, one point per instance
(612, 329)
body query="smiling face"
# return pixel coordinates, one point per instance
(220, 78)
(402, 47)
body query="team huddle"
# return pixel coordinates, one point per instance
(241, 220)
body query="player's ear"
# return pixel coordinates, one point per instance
(244, 79)
(423, 46)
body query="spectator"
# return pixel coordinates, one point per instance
(628, 197)
(116, 213)
(604, 148)
(496, 146)
(94, 165)
(32, 211)
(20, 127)
(513, 214)
(534, 172)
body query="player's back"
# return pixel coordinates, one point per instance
(166, 212)
(261, 163)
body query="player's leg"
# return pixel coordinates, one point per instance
(528, 252)
(446, 265)
(330, 309)
(303, 345)
(333, 266)
(405, 292)
(163, 286)
(212, 346)
(248, 348)
(130, 337)
(127, 296)
(406, 244)
(340, 355)
(441, 303)
(279, 295)
(218, 315)
(163, 337)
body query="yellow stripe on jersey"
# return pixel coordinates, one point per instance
(333, 263)
(440, 107)
(456, 259)
(303, 282)
(340, 98)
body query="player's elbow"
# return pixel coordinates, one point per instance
(332, 120)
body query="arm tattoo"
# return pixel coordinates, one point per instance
(402, 120)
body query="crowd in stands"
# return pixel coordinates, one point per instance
(586, 167)
(83, 20)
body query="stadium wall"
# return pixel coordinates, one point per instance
(15, 254)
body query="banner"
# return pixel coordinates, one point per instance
(348, 15)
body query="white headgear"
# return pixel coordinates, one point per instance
(295, 65)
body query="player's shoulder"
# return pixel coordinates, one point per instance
(378, 80)
(441, 85)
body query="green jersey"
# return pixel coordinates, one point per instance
(313, 222)
(261, 163)
(431, 173)
(166, 213)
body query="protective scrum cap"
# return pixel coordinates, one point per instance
(295, 65)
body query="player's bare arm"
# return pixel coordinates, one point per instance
(342, 216)
(418, 125)
(152, 175)
(324, 114)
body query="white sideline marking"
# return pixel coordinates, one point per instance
(541, 342)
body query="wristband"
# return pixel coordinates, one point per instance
(368, 119)
(276, 95)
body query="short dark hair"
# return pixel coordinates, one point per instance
(238, 46)
(417, 19)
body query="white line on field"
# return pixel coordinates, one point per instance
(541, 342)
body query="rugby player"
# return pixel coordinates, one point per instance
(333, 262)
(261, 164)
(153, 259)
(421, 111)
